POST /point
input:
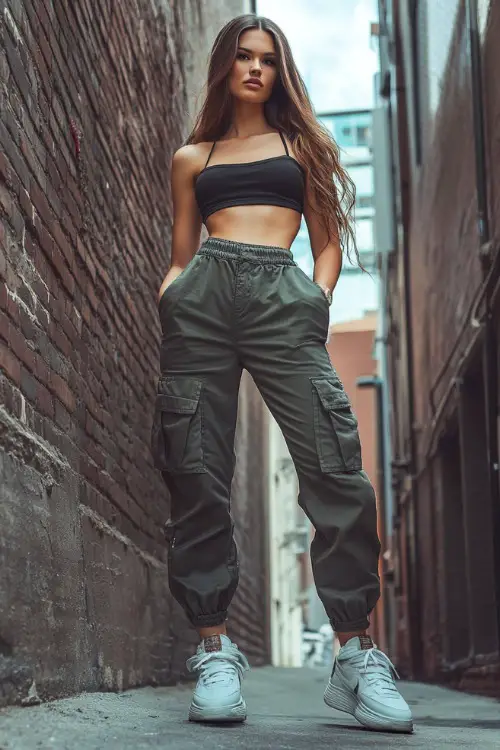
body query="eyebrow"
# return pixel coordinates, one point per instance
(273, 54)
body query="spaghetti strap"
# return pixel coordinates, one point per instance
(210, 154)
(284, 143)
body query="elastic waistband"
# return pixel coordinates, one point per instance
(221, 248)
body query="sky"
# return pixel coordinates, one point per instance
(330, 41)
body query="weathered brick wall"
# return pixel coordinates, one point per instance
(445, 269)
(445, 275)
(84, 245)
(445, 264)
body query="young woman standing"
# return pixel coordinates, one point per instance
(256, 160)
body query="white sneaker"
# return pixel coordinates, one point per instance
(362, 684)
(217, 696)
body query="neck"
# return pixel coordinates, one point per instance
(247, 120)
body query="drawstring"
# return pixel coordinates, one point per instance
(216, 666)
(375, 665)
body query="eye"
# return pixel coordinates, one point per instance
(271, 61)
(240, 55)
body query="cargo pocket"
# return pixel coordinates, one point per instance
(177, 432)
(335, 427)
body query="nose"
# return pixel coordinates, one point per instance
(255, 68)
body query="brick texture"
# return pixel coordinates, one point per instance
(441, 229)
(94, 101)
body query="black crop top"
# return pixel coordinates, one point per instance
(276, 181)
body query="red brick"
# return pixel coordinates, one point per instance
(44, 401)
(5, 200)
(4, 327)
(23, 352)
(5, 169)
(10, 364)
(60, 339)
(13, 310)
(42, 372)
(26, 205)
(41, 204)
(60, 388)
(3, 296)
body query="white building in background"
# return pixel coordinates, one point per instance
(356, 291)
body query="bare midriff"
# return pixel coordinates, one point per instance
(255, 225)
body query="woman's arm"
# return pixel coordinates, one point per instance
(327, 255)
(186, 228)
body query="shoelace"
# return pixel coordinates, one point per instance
(218, 665)
(376, 666)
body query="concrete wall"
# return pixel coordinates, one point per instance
(84, 245)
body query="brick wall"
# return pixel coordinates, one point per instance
(93, 105)
(441, 231)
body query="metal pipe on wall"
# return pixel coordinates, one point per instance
(410, 547)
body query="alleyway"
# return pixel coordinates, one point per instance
(286, 711)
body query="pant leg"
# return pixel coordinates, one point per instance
(283, 328)
(193, 437)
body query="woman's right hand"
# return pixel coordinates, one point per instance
(172, 274)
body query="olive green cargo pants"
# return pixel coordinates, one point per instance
(238, 306)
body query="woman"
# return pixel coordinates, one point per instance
(256, 160)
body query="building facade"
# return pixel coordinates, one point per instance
(439, 94)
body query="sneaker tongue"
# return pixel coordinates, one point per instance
(215, 643)
(359, 643)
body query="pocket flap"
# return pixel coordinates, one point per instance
(178, 395)
(330, 392)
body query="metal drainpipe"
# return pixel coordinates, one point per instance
(415, 592)
(490, 343)
(412, 539)
(415, 599)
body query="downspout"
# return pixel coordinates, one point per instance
(389, 543)
(409, 460)
(412, 533)
(486, 256)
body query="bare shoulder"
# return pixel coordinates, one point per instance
(191, 158)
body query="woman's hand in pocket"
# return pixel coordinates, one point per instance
(172, 274)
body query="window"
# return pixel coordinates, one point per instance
(363, 135)
(364, 234)
(364, 201)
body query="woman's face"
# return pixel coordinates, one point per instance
(255, 58)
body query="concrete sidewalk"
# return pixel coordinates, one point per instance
(286, 711)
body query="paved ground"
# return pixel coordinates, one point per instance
(286, 713)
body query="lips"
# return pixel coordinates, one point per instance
(254, 82)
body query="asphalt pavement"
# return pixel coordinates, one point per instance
(286, 712)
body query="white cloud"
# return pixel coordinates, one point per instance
(330, 41)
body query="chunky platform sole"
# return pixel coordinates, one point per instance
(238, 712)
(344, 700)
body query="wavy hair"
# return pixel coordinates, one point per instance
(288, 109)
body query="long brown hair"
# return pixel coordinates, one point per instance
(288, 109)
